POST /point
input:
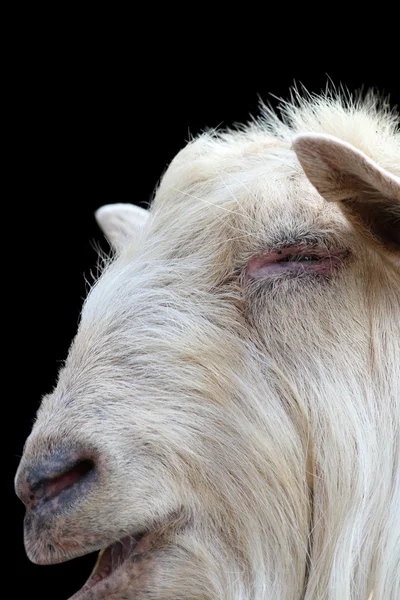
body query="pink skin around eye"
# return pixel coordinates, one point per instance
(273, 263)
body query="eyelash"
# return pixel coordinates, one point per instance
(300, 258)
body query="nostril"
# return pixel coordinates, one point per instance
(56, 478)
(48, 488)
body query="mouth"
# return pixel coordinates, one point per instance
(124, 568)
(107, 572)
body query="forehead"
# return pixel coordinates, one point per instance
(250, 192)
(209, 208)
(215, 206)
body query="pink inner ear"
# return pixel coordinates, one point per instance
(295, 260)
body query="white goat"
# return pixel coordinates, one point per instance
(227, 423)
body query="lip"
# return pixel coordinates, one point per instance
(107, 571)
(123, 565)
(295, 259)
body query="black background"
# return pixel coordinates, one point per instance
(95, 119)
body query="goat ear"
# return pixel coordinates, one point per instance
(121, 222)
(368, 195)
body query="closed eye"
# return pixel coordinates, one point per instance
(296, 259)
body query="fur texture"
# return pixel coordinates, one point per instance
(251, 424)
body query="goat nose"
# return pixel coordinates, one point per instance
(48, 479)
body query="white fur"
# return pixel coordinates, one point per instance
(264, 418)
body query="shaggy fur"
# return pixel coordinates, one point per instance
(249, 421)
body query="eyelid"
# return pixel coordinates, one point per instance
(298, 249)
(273, 262)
